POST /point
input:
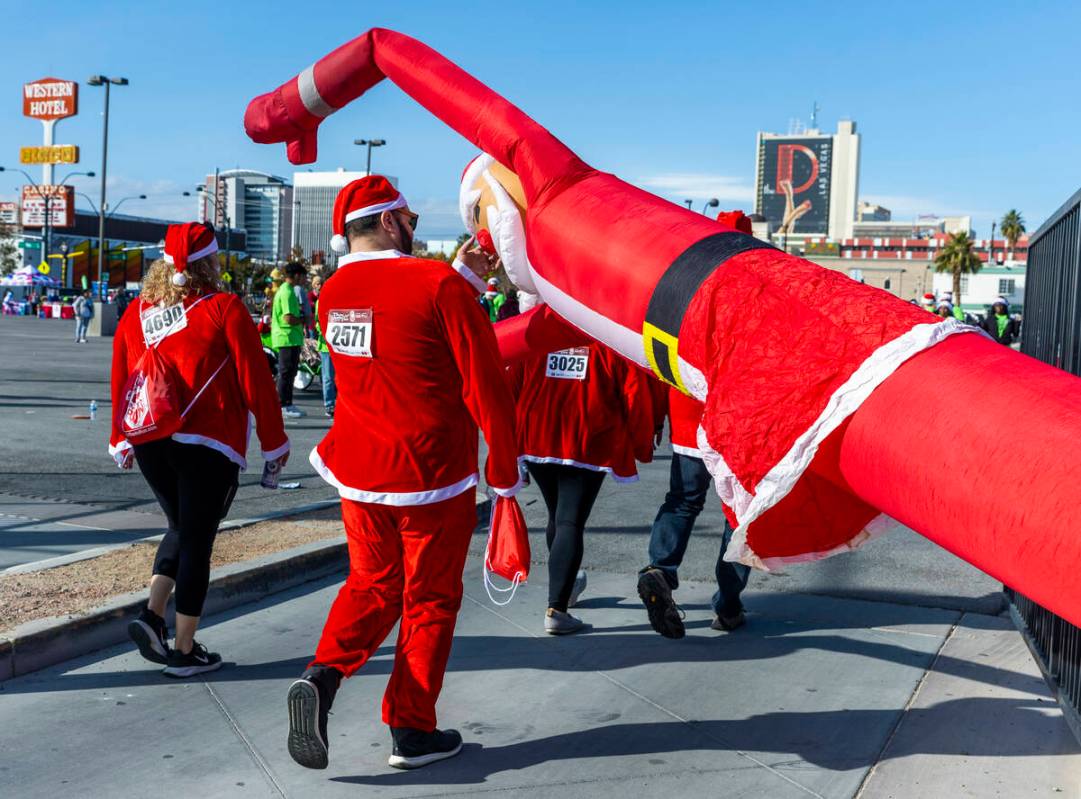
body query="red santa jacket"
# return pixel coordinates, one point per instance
(218, 330)
(584, 407)
(685, 415)
(417, 372)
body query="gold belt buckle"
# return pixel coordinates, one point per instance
(662, 352)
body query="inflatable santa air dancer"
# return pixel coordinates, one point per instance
(820, 393)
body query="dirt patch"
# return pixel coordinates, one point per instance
(87, 584)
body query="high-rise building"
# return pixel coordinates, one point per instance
(313, 206)
(260, 203)
(806, 183)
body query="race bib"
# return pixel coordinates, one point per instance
(569, 364)
(350, 332)
(160, 322)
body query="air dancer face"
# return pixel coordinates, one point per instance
(491, 201)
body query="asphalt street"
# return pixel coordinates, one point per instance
(45, 453)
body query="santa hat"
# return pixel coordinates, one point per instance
(493, 282)
(186, 243)
(370, 195)
(928, 299)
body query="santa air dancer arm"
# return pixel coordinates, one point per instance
(484, 387)
(293, 112)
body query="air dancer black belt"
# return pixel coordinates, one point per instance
(674, 292)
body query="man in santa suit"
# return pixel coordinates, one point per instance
(417, 373)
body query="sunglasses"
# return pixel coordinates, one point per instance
(412, 219)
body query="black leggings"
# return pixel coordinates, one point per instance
(288, 363)
(195, 486)
(569, 493)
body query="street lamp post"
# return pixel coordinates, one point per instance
(107, 82)
(371, 143)
(991, 246)
(713, 202)
(688, 202)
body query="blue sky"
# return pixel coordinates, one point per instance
(967, 107)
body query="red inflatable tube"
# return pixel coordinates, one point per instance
(828, 404)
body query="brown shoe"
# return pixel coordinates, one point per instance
(726, 624)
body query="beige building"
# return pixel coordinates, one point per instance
(908, 280)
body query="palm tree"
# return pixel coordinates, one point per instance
(1013, 228)
(958, 259)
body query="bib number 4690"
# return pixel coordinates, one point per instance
(350, 332)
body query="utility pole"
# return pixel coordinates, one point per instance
(103, 80)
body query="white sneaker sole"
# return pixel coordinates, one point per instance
(403, 762)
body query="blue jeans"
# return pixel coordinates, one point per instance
(326, 377)
(81, 324)
(672, 530)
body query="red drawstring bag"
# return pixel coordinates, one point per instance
(149, 408)
(507, 552)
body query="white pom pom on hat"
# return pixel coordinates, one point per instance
(339, 243)
(180, 279)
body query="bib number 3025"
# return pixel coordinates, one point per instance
(159, 322)
(569, 364)
(350, 332)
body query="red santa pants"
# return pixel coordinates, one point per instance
(404, 563)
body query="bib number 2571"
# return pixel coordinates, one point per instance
(350, 332)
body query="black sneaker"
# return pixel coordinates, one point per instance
(656, 594)
(151, 635)
(416, 748)
(309, 702)
(197, 661)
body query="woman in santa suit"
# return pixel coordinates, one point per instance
(582, 413)
(207, 338)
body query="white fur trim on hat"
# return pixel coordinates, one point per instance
(378, 208)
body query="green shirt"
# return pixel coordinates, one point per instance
(282, 334)
(1002, 321)
(318, 331)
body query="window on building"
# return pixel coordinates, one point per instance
(964, 284)
(1006, 286)
(887, 284)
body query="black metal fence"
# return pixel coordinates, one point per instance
(1052, 333)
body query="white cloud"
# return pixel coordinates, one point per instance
(679, 186)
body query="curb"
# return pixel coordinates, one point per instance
(87, 554)
(39, 644)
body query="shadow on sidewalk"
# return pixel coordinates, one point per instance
(587, 653)
(838, 740)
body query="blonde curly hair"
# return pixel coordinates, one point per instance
(158, 286)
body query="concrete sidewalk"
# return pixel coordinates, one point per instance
(817, 696)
